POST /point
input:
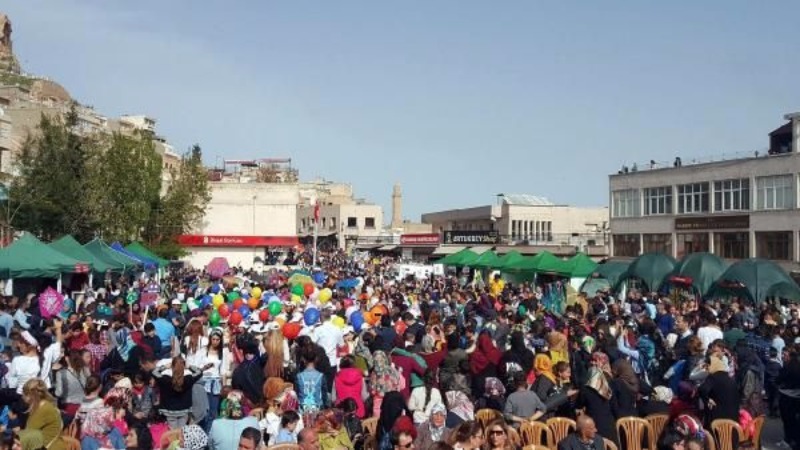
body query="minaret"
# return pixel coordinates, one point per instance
(397, 207)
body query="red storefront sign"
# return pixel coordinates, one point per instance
(200, 240)
(432, 239)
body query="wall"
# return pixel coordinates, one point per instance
(251, 209)
(199, 257)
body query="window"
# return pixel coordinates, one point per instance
(513, 229)
(352, 222)
(538, 234)
(302, 224)
(549, 231)
(369, 222)
(333, 223)
(658, 200)
(626, 244)
(774, 245)
(693, 198)
(732, 245)
(732, 195)
(625, 203)
(689, 243)
(324, 222)
(660, 243)
(775, 192)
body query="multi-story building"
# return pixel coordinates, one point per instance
(736, 208)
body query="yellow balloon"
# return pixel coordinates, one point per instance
(325, 295)
(256, 292)
(338, 321)
(296, 299)
(218, 300)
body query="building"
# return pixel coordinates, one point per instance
(526, 222)
(736, 208)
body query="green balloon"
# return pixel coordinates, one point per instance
(214, 319)
(297, 289)
(274, 308)
(233, 296)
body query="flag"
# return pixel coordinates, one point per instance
(316, 211)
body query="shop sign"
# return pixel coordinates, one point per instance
(431, 239)
(471, 237)
(712, 222)
(196, 240)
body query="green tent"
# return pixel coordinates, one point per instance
(756, 279)
(544, 262)
(579, 266)
(611, 271)
(456, 258)
(29, 257)
(487, 260)
(138, 249)
(72, 248)
(700, 269)
(592, 286)
(651, 268)
(508, 261)
(117, 260)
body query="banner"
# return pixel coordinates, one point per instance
(150, 295)
(471, 237)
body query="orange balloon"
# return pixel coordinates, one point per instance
(370, 318)
(238, 303)
(253, 303)
(280, 321)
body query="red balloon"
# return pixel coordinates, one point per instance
(236, 318)
(291, 330)
(308, 289)
(238, 303)
(263, 315)
(224, 311)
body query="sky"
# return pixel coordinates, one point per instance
(456, 100)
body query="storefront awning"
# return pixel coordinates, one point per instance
(480, 249)
(387, 248)
(447, 249)
(197, 240)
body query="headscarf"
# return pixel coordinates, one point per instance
(597, 375)
(520, 351)
(427, 343)
(117, 396)
(437, 433)
(662, 394)
(392, 407)
(544, 366)
(363, 351)
(624, 372)
(485, 355)
(588, 344)
(124, 343)
(194, 438)
(231, 407)
(558, 347)
(493, 387)
(460, 405)
(385, 378)
(717, 365)
(67, 309)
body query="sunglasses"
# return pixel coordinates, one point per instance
(409, 445)
(497, 432)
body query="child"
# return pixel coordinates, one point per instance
(142, 399)
(286, 435)
(351, 422)
(310, 388)
(771, 372)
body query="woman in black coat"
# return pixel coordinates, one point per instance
(625, 389)
(596, 397)
(720, 392)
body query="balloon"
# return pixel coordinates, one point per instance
(308, 289)
(214, 319)
(348, 302)
(256, 292)
(273, 298)
(244, 311)
(254, 302)
(357, 320)
(218, 300)
(234, 296)
(311, 316)
(291, 330)
(236, 318)
(370, 318)
(296, 299)
(325, 295)
(298, 290)
(215, 288)
(238, 303)
(275, 308)
(205, 301)
(338, 321)
(224, 310)
(280, 321)
(263, 315)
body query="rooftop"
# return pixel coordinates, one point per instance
(525, 200)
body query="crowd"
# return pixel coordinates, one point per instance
(421, 356)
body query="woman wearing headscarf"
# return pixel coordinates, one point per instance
(383, 379)
(125, 356)
(432, 430)
(720, 393)
(750, 372)
(494, 395)
(545, 378)
(393, 407)
(595, 396)
(625, 389)
(559, 351)
(461, 408)
(581, 359)
(193, 438)
(517, 358)
(226, 429)
(483, 363)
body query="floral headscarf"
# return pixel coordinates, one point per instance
(363, 351)
(385, 378)
(231, 407)
(460, 405)
(597, 375)
(493, 387)
(194, 438)
(124, 343)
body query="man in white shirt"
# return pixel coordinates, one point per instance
(709, 332)
(329, 337)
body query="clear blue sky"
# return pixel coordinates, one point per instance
(457, 100)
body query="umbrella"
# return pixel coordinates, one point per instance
(349, 283)
(299, 278)
(756, 279)
(218, 267)
(701, 269)
(651, 268)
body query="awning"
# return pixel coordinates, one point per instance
(387, 248)
(480, 249)
(368, 246)
(447, 249)
(194, 240)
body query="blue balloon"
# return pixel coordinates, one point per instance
(205, 301)
(357, 320)
(311, 316)
(215, 288)
(244, 311)
(274, 298)
(319, 277)
(245, 295)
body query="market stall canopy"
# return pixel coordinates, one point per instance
(29, 257)
(117, 260)
(137, 248)
(651, 268)
(511, 259)
(756, 279)
(544, 262)
(611, 271)
(487, 260)
(700, 270)
(455, 259)
(146, 262)
(218, 267)
(579, 266)
(72, 248)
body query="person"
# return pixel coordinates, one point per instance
(138, 437)
(595, 397)
(278, 350)
(24, 366)
(585, 436)
(523, 404)
(91, 399)
(248, 376)
(332, 435)
(434, 429)
(105, 426)
(720, 393)
(545, 378)
(349, 383)
(494, 395)
(193, 438)
(329, 337)
(143, 398)
(311, 391)
(44, 420)
(231, 422)
(71, 380)
(151, 339)
(624, 388)
(392, 408)
(497, 436)
(483, 363)
(195, 344)
(402, 440)
(165, 331)
(671, 440)
(175, 386)
(288, 427)
(384, 378)
(467, 436)
(710, 330)
(250, 439)
(308, 439)
(216, 355)
(517, 359)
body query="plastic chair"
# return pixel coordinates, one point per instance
(610, 445)
(370, 426)
(284, 447)
(535, 447)
(710, 444)
(71, 443)
(723, 430)
(758, 425)
(535, 433)
(635, 429)
(560, 426)
(258, 413)
(73, 429)
(485, 416)
(370, 442)
(513, 437)
(657, 423)
(169, 437)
